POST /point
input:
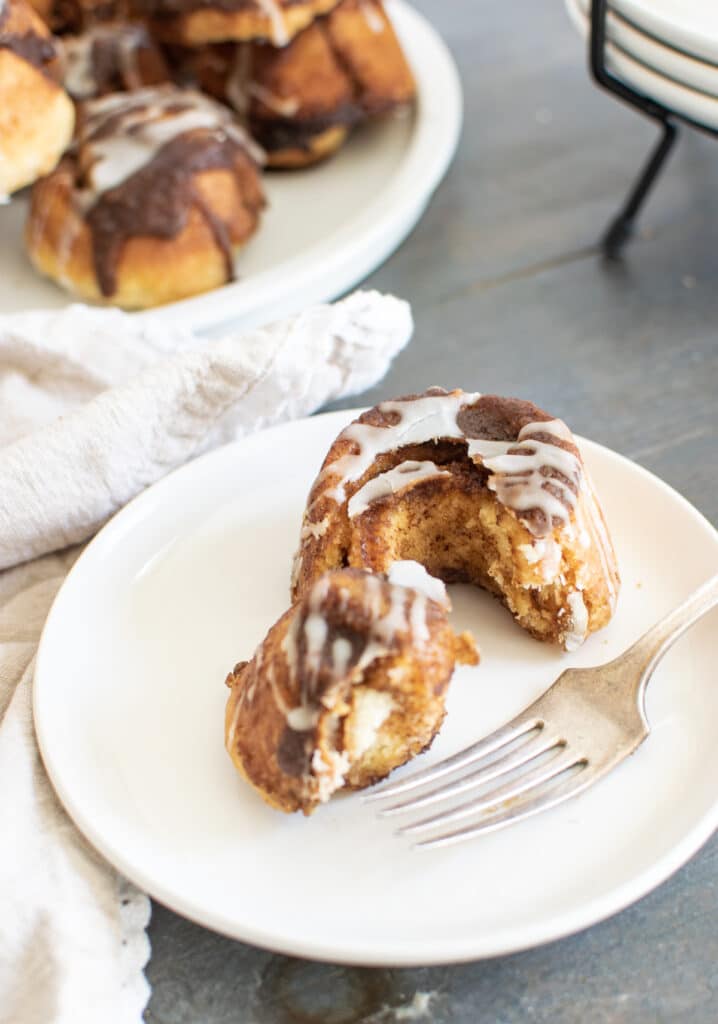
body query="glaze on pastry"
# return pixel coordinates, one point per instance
(301, 102)
(348, 685)
(193, 22)
(111, 57)
(161, 186)
(477, 488)
(36, 115)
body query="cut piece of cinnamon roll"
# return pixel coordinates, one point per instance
(349, 684)
(159, 189)
(36, 114)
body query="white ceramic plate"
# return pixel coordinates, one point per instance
(690, 25)
(698, 106)
(697, 74)
(183, 583)
(326, 227)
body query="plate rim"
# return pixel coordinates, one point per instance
(685, 99)
(692, 41)
(515, 939)
(656, 54)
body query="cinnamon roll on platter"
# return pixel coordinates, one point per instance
(331, 113)
(159, 189)
(36, 114)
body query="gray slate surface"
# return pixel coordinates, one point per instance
(511, 295)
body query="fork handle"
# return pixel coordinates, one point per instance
(645, 654)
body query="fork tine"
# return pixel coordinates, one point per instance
(483, 748)
(525, 809)
(527, 782)
(528, 751)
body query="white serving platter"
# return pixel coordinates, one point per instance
(326, 227)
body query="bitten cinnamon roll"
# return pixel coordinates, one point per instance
(478, 489)
(36, 115)
(160, 187)
(349, 684)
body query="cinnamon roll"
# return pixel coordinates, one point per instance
(478, 489)
(193, 22)
(349, 684)
(111, 57)
(36, 114)
(160, 187)
(301, 102)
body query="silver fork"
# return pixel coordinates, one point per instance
(585, 724)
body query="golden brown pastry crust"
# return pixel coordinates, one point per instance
(301, 101)
(111, 57)
(36, 115)
(74, 16)
(313, 150)
(251, 21)
(146, 269)
(558, 578)
(305, 717)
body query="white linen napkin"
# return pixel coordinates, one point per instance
(94, 406)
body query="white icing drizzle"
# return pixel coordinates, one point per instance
(122, 132)
(372, 16)
(419, 624)
(284, 106)
(517, 467)
(341, 653)
(596, 528)
(578, 626)
(421, 420)
(406, 613)
(302, 718)
(557, 428)
(394, 481)
(395, 620)
(278, 31)
(236, 87)
(77, 56)
(412, 574)
(78, 73)
(315, 530)
(517, 478)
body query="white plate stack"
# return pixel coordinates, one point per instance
(664, 49)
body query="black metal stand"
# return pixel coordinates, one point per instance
(621, 228)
